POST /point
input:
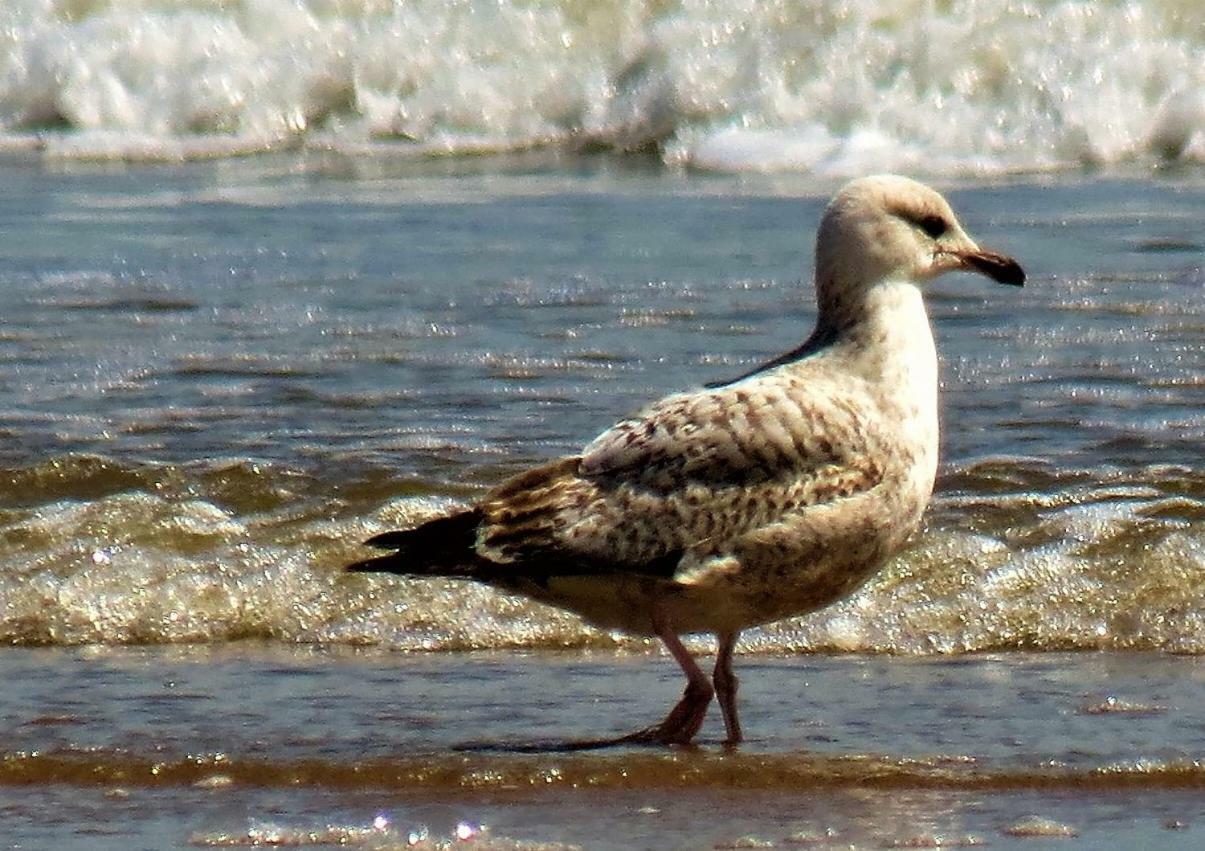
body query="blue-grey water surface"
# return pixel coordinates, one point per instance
(216, 378)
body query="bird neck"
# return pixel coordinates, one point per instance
(885, 334)
(885, 320)
(886, 340)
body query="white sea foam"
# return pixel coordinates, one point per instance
(975, 86)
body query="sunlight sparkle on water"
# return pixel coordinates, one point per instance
(466, 831)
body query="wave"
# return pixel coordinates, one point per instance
(976, 86)
(787, 772)
(1017, 555)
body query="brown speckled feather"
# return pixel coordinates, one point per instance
(695, 470)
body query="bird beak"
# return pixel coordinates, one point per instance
(972, 258)
(998, 267)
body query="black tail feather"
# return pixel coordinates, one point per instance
(439, 547)
(446, 546)
(436, 535)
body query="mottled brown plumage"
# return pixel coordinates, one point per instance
(745, 502)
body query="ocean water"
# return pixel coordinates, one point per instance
(217, 378)
(276, 276)
(254, 745)
(974, 86)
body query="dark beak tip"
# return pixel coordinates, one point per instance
(1016, 276)
(998, 267)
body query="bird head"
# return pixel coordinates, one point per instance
(888, 227)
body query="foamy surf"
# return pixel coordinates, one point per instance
(1019, 556)
(981, 87)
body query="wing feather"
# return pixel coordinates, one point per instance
(693, 471)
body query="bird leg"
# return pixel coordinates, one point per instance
(725, 686)
(685, 719)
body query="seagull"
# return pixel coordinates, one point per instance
(764, 497)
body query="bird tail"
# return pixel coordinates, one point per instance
(440, 547)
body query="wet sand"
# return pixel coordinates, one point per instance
(246, 744)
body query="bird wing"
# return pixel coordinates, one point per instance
(698, 469)
(735, 435)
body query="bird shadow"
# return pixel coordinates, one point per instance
(552, 746)
(573, 745)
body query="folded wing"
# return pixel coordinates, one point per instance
(694, 473)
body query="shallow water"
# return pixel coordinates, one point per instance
(215, 379)
(219, 378)
(148, 745)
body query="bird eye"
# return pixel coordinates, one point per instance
(933, 224)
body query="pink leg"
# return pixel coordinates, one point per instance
(685, 719)
(725, 686)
